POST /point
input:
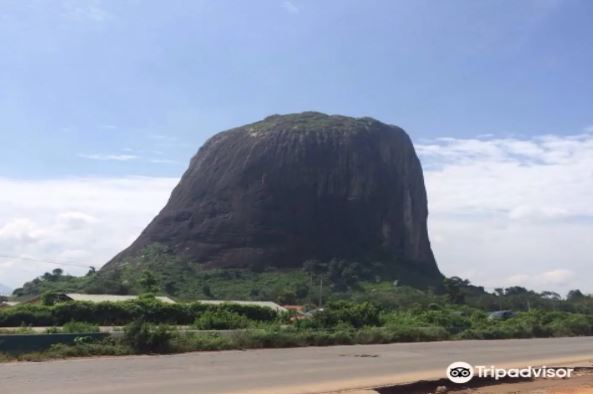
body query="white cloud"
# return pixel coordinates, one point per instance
(290, 6)
(81, 221)
(22, 230)
(512, 210)
(107, 157)
(554, 278)
(82, 11)
(75, 220)
(128, 156)
(164, 161)
(516, 280)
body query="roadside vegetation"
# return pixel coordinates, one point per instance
(121, 313)
(348, 303)
(153, 327)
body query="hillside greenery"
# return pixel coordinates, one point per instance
(159, 272)
(166, 273)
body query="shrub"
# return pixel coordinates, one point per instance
(202, 341)
(76, 327)
(570, 325)
(251, 312)
(354, 315)
(145, 337)
(220, 320)
(121, 313)
(38, 315)
(83, 348)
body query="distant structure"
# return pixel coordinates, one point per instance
(110, 298)
(264, 304)
(6, 304)
(96, 298)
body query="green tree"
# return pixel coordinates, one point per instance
(286, 297)
(301, 291)
(313, 268)
(550, 295)
(171, 287)
(574, 295)
(49, 298)
(515, 290)
(207, 291)
(453, 287)
(317, 272)
(148, 282)
(57, 273)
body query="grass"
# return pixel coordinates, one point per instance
(179, 342)
(17, 331)
(60, 351)
(75, 327)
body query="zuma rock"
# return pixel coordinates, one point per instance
(296, 187)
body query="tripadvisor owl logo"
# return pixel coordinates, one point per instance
(460, 372)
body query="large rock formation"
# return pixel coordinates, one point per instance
(297, 187)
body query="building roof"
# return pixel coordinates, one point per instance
(298, 308)
(265, 304)
(110, 298)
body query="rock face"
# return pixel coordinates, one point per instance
(297, 187)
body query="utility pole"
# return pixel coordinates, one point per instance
(321, 292)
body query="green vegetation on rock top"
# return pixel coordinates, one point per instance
(312, 121)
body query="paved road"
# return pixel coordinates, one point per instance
(278, 371)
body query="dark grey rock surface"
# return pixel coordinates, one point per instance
(297, 187)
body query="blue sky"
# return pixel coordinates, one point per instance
(154, 80)
(102, 103)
